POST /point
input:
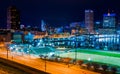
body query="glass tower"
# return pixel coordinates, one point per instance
(109, 20)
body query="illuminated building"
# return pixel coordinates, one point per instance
(76, 24)
(109, 24)
(73, 31)
(22, 26)
(43, 25)
(29, 37)
(109, 20)
(17, 37)
(5, 35)
(13, 18)
(89, 17)
(59, 30)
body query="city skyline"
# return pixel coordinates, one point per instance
(56, 12)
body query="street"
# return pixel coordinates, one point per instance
(50, 67)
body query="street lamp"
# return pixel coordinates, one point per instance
(28, 51)
(45, 58)
(75, 48)
(6, 46)
(7, 53)
(45, 63)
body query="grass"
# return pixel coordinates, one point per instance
(100, 52)
(100, 56)
(114, 61)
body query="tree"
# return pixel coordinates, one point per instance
(80, 62)
(104, 67)
(66, 60)
(114, 70)
(96, 66)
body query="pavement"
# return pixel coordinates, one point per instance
(47, 66)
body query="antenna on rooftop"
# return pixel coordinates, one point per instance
(108, 12)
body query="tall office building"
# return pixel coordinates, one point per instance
(43, 25)
(109, 24)
(89, 20)
(13, 18)
(109, 20)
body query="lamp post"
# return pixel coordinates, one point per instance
(45, 63)
(75, 48)
(7, 53)
(45, 58)
(29, 50)
(75, 54)
(6, 46)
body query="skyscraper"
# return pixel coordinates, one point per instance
(109, 20)
(89, 20)
(13, 18)
(43, 25)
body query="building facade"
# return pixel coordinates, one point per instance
(43, 26)
(109, 20)
(89, 20)
(5, 35)
(13, 18)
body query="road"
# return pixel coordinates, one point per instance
(51, 67)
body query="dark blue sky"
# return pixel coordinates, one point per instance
(56, 12)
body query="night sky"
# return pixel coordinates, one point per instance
(56, 12)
